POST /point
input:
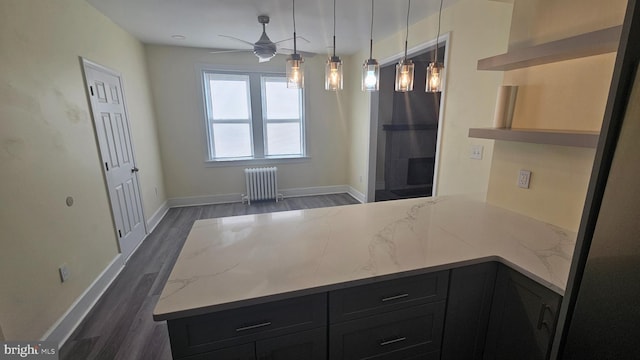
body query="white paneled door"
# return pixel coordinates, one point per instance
(114, 139)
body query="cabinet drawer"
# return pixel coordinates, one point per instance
(208, 332)
(240, 352)
(307, 345)
(400, 334)
(365, 300)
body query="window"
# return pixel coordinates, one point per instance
(252, 116)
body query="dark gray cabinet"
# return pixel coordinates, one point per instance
(482, 311)
(468, 310)
(308, 345)
(399, 334)
(240, 352)
(523, 318)
(221, 331)
(394, 319)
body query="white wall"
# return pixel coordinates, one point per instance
(177, 94)
(566, 95)
(48, 152)
(478, 29)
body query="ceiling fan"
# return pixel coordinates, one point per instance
(264, 48)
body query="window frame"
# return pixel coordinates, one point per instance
(256, 113)
(266, 121)
(210, 121)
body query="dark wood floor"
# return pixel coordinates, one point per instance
(120, 326)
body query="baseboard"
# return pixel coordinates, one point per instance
(204, 200)
(356, 194)
(293, 192)
(64, 327)
(155, 219)
(311, 191)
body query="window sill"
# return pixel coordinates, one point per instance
(262, 161)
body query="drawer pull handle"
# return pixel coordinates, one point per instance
(251, 327)
(389, 342)
(391, 298)
(544, 308)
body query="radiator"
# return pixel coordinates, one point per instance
(262, 184)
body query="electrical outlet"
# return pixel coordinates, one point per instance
(524, 178)
(476, 152)
(64, 272)
(360, 178)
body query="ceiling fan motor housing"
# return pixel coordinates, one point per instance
(264, 48)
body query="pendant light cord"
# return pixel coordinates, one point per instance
(406, 39)
(371, 34)
(294, 26)
(334, 28)
(438, 37)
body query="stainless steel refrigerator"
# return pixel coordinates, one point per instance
(600, 316)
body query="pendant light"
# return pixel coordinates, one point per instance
(435, 69)
(405, 68)
(371, 67)
(333, 69)
(295, 62)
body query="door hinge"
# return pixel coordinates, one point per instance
(119, 232)
(91, 88)
(107, 166)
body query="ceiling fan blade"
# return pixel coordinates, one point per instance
(287, 51)
(290, 39)
(235, 38)
(229, 51)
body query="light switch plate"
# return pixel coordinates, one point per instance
(476, 152)
(524, 178)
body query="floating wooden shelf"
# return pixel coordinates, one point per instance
(589, 44)
(587, 139)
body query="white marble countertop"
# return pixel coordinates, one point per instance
(244, 260)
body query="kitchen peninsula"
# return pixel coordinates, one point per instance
(298, 273)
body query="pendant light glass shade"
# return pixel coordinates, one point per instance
(405, 68)
(434, 77)
(295, 72)
(435, 70)
(333, 69)
(371, 75)
(295, 62)
(371, 67)
(333, 74)
(404, 75)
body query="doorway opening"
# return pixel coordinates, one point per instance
(406, 133)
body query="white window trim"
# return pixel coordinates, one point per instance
(302, 121)
(244, 70)
(210, 121)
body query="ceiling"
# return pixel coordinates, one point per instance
(201, 21)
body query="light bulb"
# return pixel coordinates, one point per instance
(434, 82)
(333, 74)
(334, 77)
(370, 80)
(370, 75)
(404, 80)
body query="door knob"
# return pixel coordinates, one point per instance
(134, 170)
